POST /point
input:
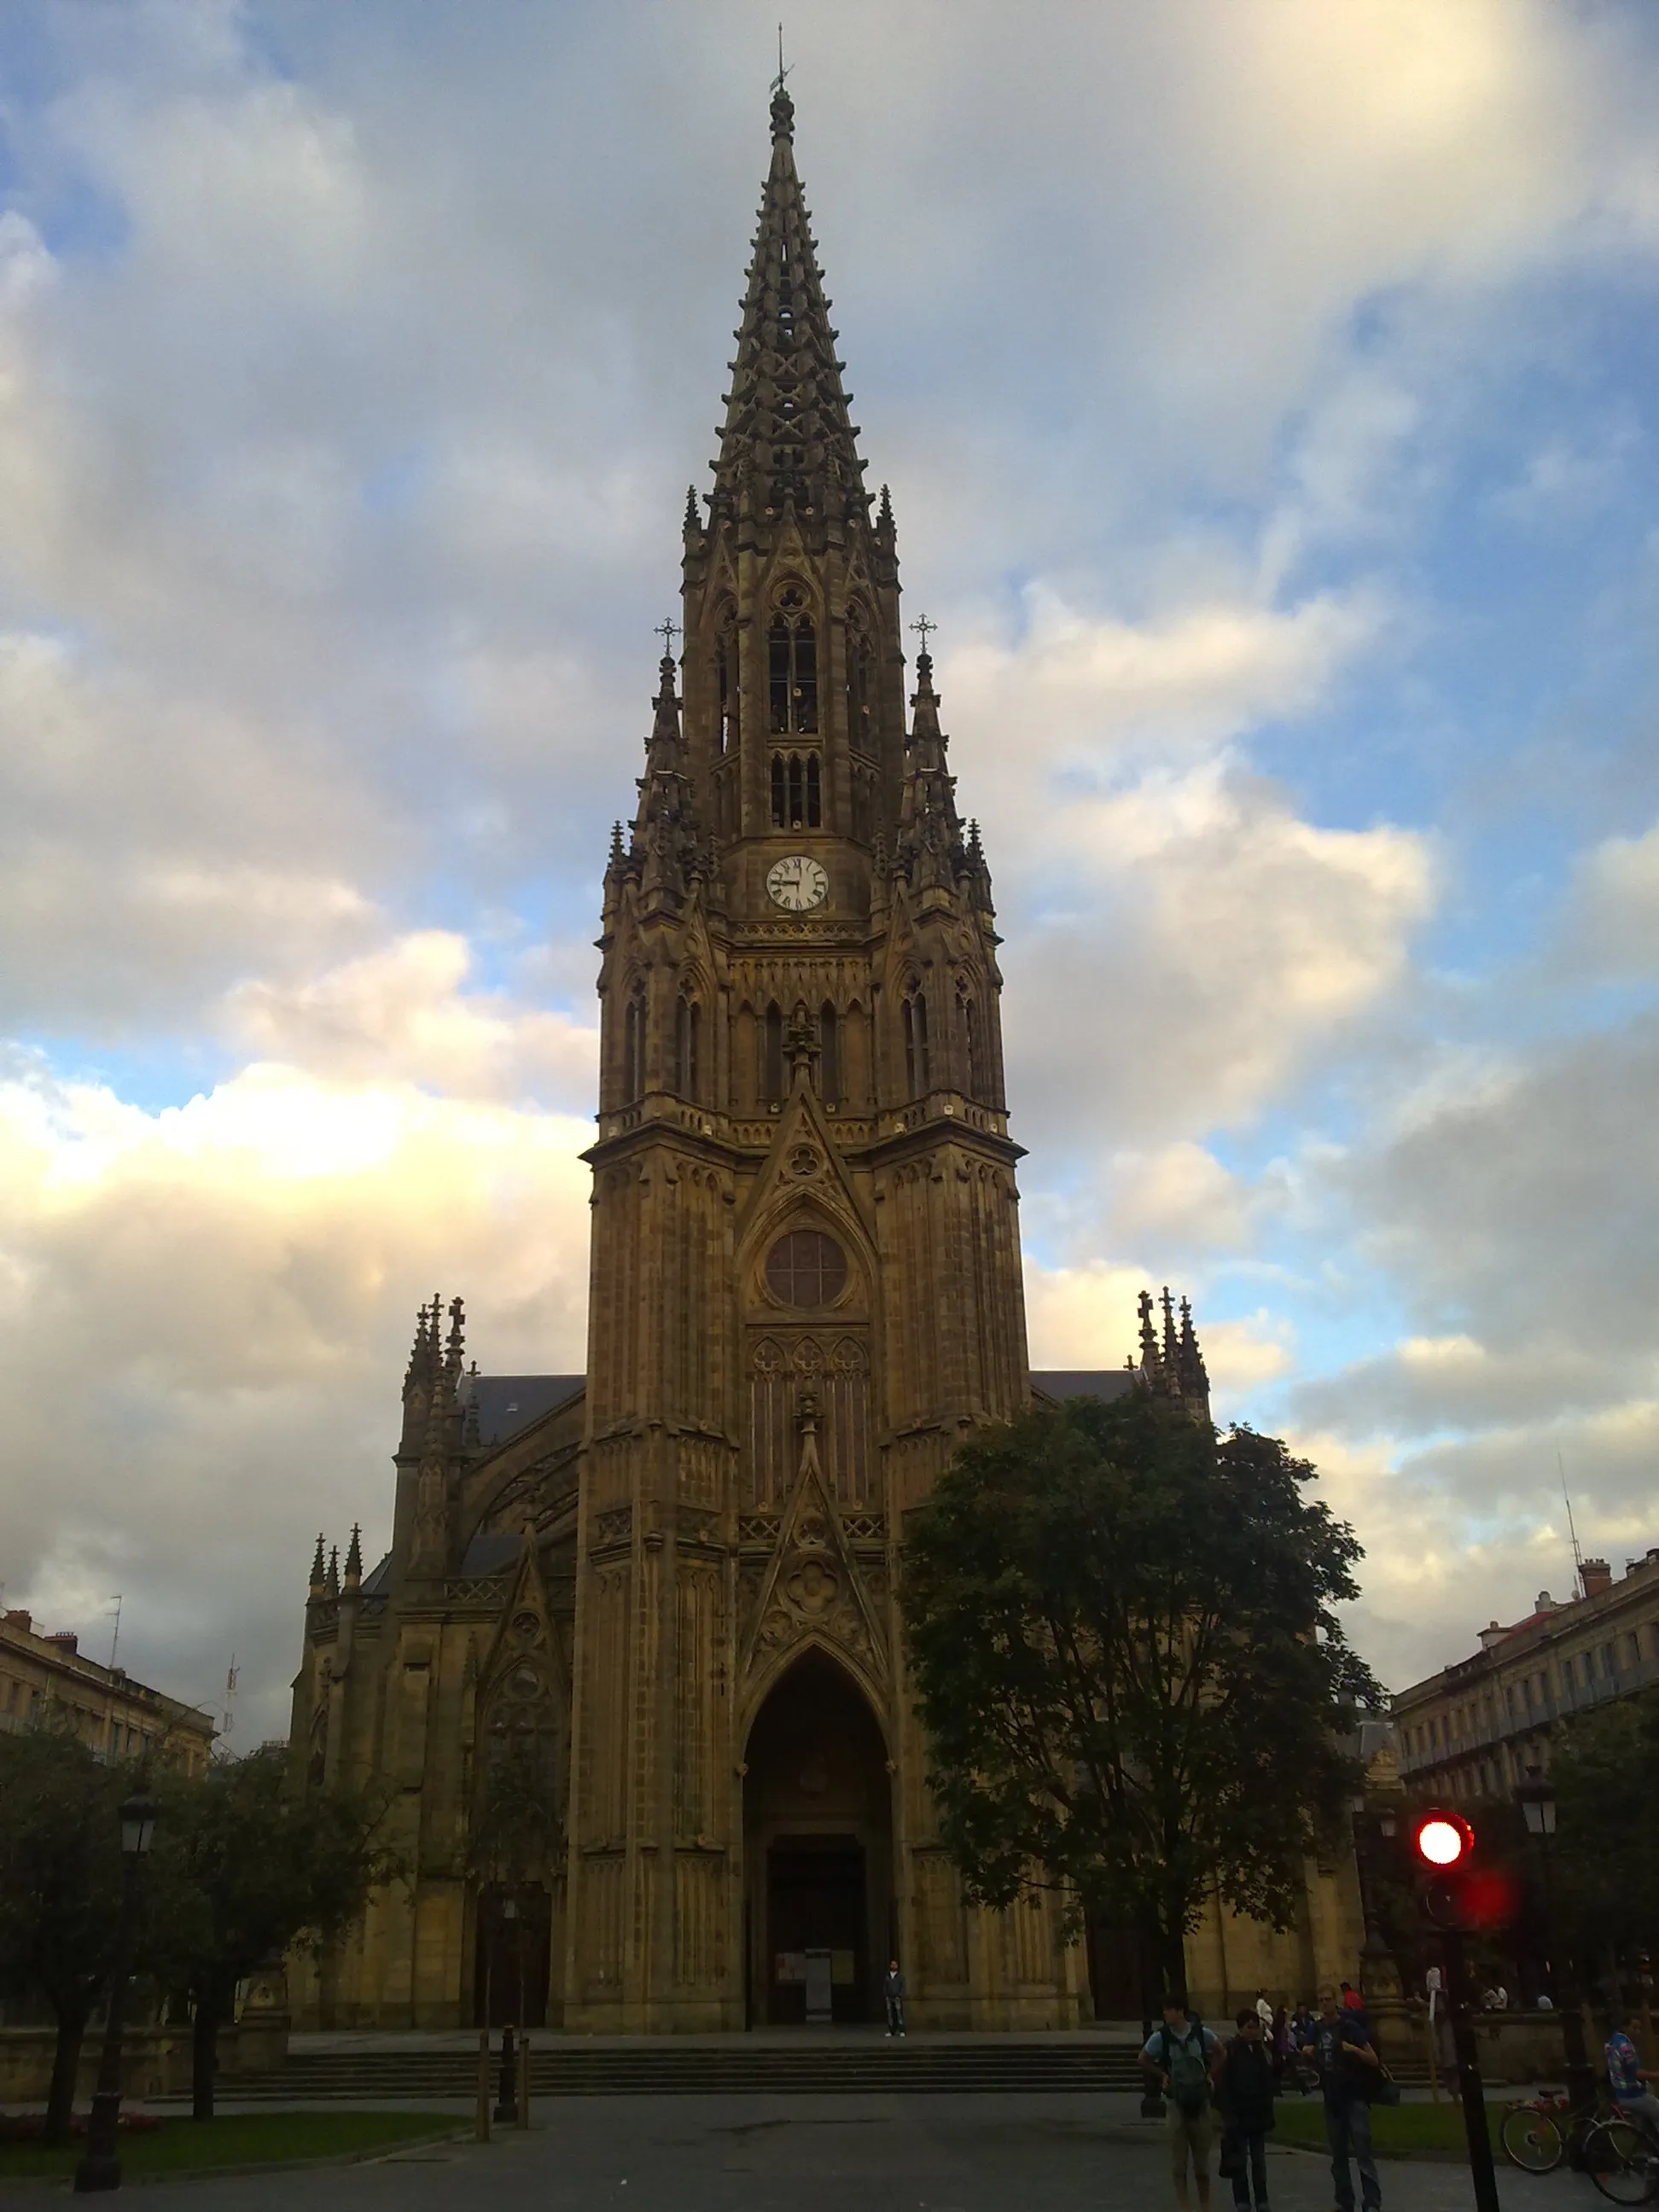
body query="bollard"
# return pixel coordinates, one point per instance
(507, 2101)
(481, 2124)
(524, 2080)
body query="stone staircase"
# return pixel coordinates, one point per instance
(730, 2066)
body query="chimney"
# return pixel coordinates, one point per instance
(67, 1641)
(1595, 1576)
(18, 1619)
(1492, 1634)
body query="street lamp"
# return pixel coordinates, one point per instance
(1538, 1805)
(1378, 1974)
(506, 2102)
(100, 2168)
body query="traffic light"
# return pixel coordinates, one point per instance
(1456, 1890)
(1442, 1844)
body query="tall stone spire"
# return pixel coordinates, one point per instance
(789, 439)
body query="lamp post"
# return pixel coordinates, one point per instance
(507, 2101)
(1537, 1799)
(1379, 1976)
(100, 2168)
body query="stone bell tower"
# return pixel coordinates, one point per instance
(806, 1267)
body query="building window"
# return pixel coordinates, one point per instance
(634, 1047)
(806, 1269)
(915, 1043)
(792, 657)
(828, 1056)
(797, 791)
(688, 1043)
(726, 726)
(772, 1054)
(860, 684)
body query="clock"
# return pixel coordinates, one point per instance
(797, 883)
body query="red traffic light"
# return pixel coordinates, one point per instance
(1443, 1841)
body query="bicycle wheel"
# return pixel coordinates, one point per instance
(1622, 2162)
(1532, 2139)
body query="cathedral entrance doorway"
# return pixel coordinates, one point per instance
(515, 1931)
(818, 1852)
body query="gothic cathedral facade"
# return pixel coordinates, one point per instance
(630, 1674)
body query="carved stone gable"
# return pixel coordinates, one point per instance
(812, 1585)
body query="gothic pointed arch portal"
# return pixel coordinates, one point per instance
(817, 1811)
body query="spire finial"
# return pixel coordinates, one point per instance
(354, 1564)
(667, 631)
(924, 630)
(318, 1567)
(783, 108)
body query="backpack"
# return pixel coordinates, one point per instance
(1189, 2071)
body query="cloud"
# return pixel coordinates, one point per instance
(207, 1308)
(401, 1012)
(1219, 944)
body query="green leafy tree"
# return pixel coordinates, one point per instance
(1120, 1631)
(1605, 1766)
(60, 1887)
(243, 1871)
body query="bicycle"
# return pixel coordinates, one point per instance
(1536, 2132)
(1622, 2156)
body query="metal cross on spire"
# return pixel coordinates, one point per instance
(667, 631)
(924, 629)
(777, 81)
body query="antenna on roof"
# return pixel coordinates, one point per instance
(1577, 1555)
(115, 1634)
(232, 1677)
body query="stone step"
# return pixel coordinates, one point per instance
(602, 2069)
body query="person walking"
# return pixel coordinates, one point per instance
(1244, 2091)
(1183, 2054)
(1630, 2081)
(1264, 2011)
(892, 1991)
(1348, 2064)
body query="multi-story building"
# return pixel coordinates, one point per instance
(118, 1717)
(1474, 1729)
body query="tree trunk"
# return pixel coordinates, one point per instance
(204, 2049)
(65, 2066)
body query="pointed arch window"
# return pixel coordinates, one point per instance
(916, 1076)
(772, 1054)
(726, 726)
(797, 791)
(860, 682)
(792, 664)
(634, 1047)
(970, 1043)
(688, 1047)
(828, 1056)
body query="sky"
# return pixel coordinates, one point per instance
(1266, 390)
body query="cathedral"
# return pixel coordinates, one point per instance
(630, 1674)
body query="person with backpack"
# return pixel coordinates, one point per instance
(1244, 2091)
(1183, 2055)
(1349, 2065)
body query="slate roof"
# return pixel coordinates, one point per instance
(508, 1403)
(1083, 1381)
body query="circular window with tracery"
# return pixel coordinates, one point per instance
(806, 1269)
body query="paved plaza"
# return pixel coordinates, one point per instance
(820, 2154)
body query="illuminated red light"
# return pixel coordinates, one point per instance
(1442, 1840)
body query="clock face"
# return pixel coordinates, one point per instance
(797, 883)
